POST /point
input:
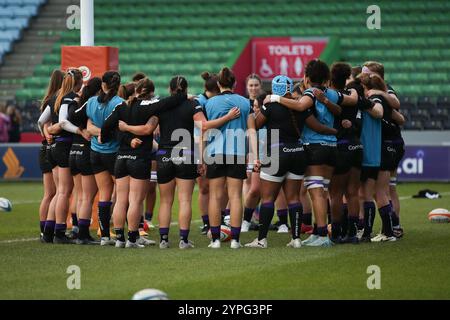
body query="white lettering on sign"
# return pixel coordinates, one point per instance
(291, 50)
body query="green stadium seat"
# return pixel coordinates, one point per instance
(187, 37)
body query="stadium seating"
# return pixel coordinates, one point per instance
(15, 16)
(164, 38)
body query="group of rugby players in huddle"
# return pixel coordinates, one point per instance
(328, 146)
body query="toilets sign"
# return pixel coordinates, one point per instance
(286, 56)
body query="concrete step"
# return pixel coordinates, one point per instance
(8, 68)
(37, 40)
(31, 62)
(14, 74)
(5, 98)
(10, 87)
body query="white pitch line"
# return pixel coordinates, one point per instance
(19, 240)
(18, 202)
(172, 223)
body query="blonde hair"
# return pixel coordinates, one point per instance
(71, 79)
(372, 81)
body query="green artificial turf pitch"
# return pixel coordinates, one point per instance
(416, 267)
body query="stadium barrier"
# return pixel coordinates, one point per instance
(420, 163)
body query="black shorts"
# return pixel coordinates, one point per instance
(369, 173)
(44, 164)
(291, 164)
(80, 160)
(181, 165)
(59, 154)
(135, 166)
(103, 162)
(388, 156)
(349, 155)
(152, 156)
(399, 153)
(319, 155)
(227, 166)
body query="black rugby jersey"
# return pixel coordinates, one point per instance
(289, 122)
(180, 117)
(138, 113)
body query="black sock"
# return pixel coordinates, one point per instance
(60, 230)
(295, 216)
(283, 216)
(132, 236)
(184, 234)
(307, 218)
(49, 229)
(329, 211)
(360, 224)
(215, 232)
(266, 212)
(336, 230)
(394, 217)
(315, 230)
(164, 234)
(83, 226)
(141, 223)
(235, 233)
(248, 214)
(352, 226)
(120, 234)
(74, 220)
(369, 217)
(205, 219)
(148, 216)
(322, 231)
(104, 216)
(385, 214)
(42, 226)
(344, 222)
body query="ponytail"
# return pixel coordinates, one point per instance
(226, 78)
(178, 84)
(112, 81)
(54, 85)
(71, 79)
(210, 82)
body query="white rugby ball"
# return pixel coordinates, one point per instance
(439, 215)
(225, 233)
(150, 294)
(5, 205)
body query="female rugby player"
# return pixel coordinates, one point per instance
(288, 169)
(211, 89)
(320, 148)
(103, 155)
(47, 207)
(64, 131)
(397, 142)
(132, 170)
(80, 162)
(226, 156)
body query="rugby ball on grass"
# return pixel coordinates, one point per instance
(439, 215)
(5, 205)
(225, 233)
(150, 294)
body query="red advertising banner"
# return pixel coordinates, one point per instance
(286, 56)
(92, 61)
